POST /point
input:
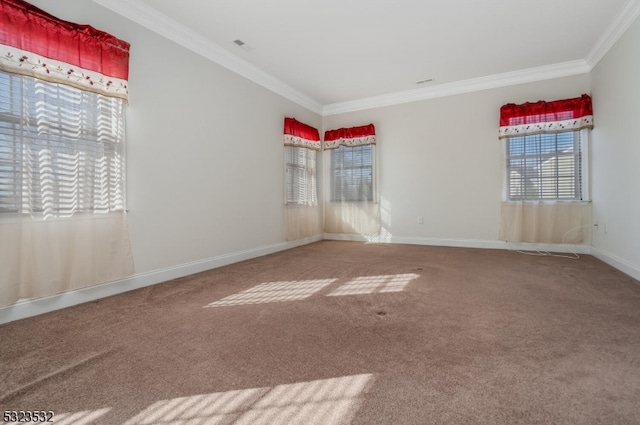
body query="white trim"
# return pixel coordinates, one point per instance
(620, 24)
(467, 243)
(540, 73)
(28, 308)
(33, 307)
(169, 28)
(623, 265)
(153, 20)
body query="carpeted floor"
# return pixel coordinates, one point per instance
(343, 333)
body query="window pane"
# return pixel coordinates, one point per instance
(352, 174)
(300, 176)
(544, 166)
(61, 149)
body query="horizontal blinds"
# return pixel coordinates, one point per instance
(61, 149)
(300, 176)
(544, 167)
(352, 174)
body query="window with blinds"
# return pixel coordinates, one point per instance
(352, 174)
(544, 167)
(300, 176)
(61, 149)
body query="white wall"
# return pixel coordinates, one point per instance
(616, 153)
(441, 159)
(204, 149)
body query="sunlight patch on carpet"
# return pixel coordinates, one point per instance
(372, 284)
(271, 292)
(326, 401)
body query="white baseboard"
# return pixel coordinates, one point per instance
(624, 266)
(33, 307)
(465, 243)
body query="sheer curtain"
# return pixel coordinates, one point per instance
(351, 204)
(546, 190)
(63, 90)
(302, 209)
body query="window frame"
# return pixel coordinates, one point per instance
(97, 141)
(294, 170)
(336, 190)
(581, 168)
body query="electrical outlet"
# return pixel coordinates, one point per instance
(420, 220)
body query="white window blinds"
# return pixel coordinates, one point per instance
(352, 174)
(544, 166)
(300, 176)
(61, 149)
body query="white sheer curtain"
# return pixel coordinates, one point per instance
(302, 212)
(351, 204)
(546, 149)
(63, 224)
(544, 222)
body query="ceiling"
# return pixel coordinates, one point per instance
(327, 53)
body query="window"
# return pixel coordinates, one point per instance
(545, 166)
(300, 176)
(546, 149)
(352, 174)
(61, 149)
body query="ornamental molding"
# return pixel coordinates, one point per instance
(167, 27)
(529, 75)
(620, 24)
(161, 24)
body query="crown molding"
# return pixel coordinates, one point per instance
(621, 23)
(163, 25)
(529, 75)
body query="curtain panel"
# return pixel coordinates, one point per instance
(546, 117)
(548, 221)
(302, 212)
(351, 205)
(352, 136)
(62, 243)
(35, 43)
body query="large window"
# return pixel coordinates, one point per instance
(545, 166)
(300, 176)
(352, 174)
(61, 149)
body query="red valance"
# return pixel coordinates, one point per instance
(546, 117)
(300, 134)
(38, 44)
(352, 136)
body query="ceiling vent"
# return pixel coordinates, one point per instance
(242, 45)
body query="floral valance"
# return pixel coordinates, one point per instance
(353, 136)
(546, 117)
(301, 135)
(35, 43)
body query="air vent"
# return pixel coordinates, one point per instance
(242, 45)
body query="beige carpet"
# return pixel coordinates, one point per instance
(343, 333)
